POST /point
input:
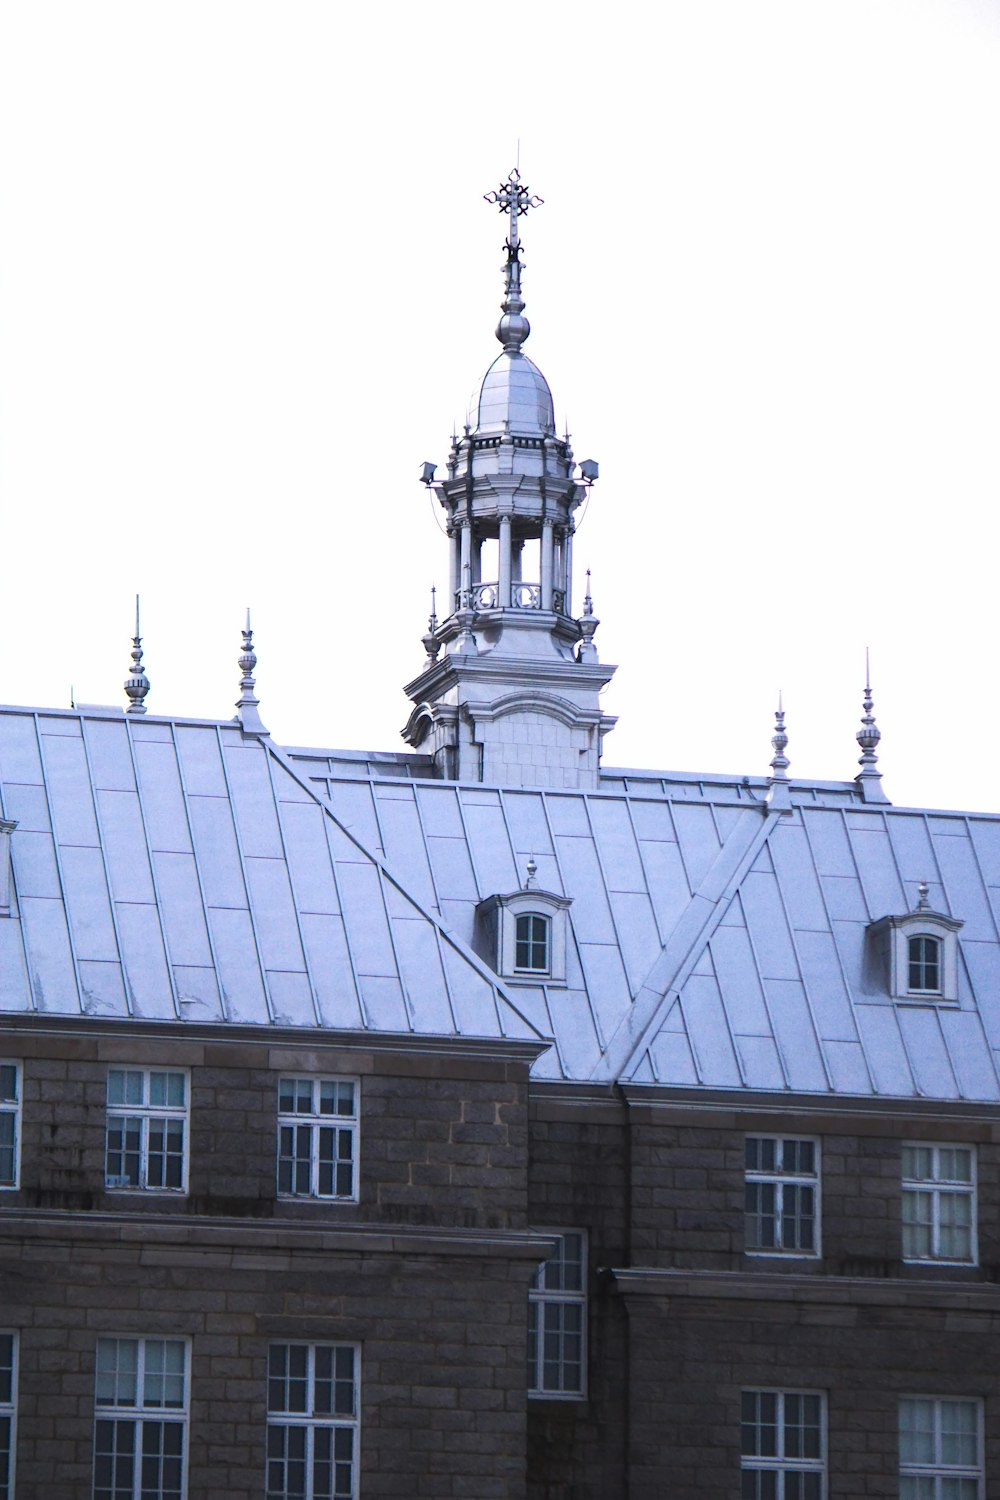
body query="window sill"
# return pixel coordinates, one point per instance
(783, 1254)
(932, 1260)
(145, 1192)
(559, 1398)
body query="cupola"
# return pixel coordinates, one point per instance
(509, 692)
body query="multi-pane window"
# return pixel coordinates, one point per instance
(10, 1108)
(782, 1195)
(783, 1446)
(139, 1436)
(924, 964)
(8, 1403)
(317, 1137)
(312, 1422)
(557, 1315)
(940, 1449)
(146, 1145)
(939, 1203)
(531, 943)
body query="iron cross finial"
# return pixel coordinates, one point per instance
(512, 198)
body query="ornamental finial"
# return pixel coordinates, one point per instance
(779, 741)
(513, 199)
(247, 703)
(869, 778)
(531, 872)
(431, 643)
(587, 625)
(778, 794)
(136, 683)
(923, 896)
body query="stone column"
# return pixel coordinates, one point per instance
(568, 570)
(546, 564)
(504, 548)
(466, 560)
(455, 568)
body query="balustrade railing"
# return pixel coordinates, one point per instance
(522, 596)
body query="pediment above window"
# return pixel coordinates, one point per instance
(917, 953)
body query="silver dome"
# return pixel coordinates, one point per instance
(515, 392)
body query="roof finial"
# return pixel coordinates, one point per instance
(923, 896)
(779, 741)
(531, 871)
(136, 683)
(869, 778)
(431, 643)
(511, 198)
(587, 625)
(247, 703)
(778, 796)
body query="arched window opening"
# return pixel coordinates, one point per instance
(924, 964)
(532, 943)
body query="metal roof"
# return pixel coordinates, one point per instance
(710, 944)
(182, 869)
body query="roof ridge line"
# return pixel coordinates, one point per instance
(467, 953)
(686, 943)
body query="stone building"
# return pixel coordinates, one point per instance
(477, 1121)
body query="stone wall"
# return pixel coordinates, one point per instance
(443, 1137)
(427, 1273)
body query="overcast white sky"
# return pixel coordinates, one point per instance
(248, 281)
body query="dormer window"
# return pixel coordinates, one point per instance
(924, 963)
(917, 954)
(531, 943)
(522, 935)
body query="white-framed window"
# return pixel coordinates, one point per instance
(8, 1412)
(10, 1124)
(318, 1137)
(924, 964)
(783, 1445)
(532, 943)
(312, 1421)
(940, 1449)
(140, 1430)
(781, 1195)
(557, 1321)
(939, 1203)
(146, 1138)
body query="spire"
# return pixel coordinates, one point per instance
(588, 623)
(136, 683)
(869, 779)
(511, 198)
(431, 643)
(246, 704)
(778, 780)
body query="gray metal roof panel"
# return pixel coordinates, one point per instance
(191, 873)
(201, 877)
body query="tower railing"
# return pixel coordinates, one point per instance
(485, 596)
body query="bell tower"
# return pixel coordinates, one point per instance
(509, 692)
